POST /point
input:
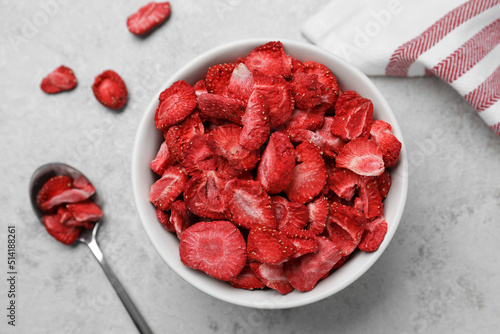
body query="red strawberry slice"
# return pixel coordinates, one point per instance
(164, 219)
(222, 107)
(305, 272)
(276, 167)
(241, 83)
(305, 242)
(179, 136)
(318, 210)
(311, 119)
(247, 279)
(353, 116)
(256, 127)
(375, 231)
(61, 189)
(270, 59)
(306, 90)
(384, 183)
(59, 80)
(370, 198)
(224, 142)
(278, 97)
(381, 134)
(200, 88)
(148, 17)
(85, 211)
(345, 227)
(362, 156)
(343, 182)
(269, 246)
(273, 276)
(248, 205)
(197, 156)
(163, 160)
(329, 87)
(204, 195)
(216, 248)
(177, 102)
(309, 174)
(110, 90)
(62, 233)
(218, 77)
(334, 144)
(180, 217)
(165, 190)
(290, 215)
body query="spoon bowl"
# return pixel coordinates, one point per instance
(87, 236)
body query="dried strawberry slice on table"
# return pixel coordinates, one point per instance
(59, 80)
(305, 272)
(273, 276)
(362, 156)
(148, 17)
(176, 103)
(216, 248)
(165, 190)
(309, 174)
(248, 205)
(110, 90)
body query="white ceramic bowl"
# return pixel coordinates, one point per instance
(148, 140)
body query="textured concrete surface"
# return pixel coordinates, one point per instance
(439, 275)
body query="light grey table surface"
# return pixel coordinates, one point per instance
(440, 274)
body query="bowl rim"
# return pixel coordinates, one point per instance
(276, 302)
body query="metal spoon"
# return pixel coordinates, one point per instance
(42, 175)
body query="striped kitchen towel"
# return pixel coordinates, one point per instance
(456, 40)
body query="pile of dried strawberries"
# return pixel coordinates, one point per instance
(270, 175)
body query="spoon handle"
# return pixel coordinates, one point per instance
(134, 313)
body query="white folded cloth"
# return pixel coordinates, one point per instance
(456, 40)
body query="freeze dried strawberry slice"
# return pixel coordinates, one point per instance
(256, 127)
(329, 87)
(62, 233)
(343, 182)
(370, 198)
(180, 135)
(200, 88)
(222, 107)
(318, 210)
(176, 103)
(305, 272)
(241, 83)
(273, 276)
(290, 215)
(216, 248)
(148, 17)
(311, 119)
(204, 195)
(110, 90)
(247, 279)
(375, 231)
(277, 96)
(306, 90)
(61, 189)
(224, 142)
(165, 190)
(180, 217)
(362, 156)
(270, 59)
(276, 167)
(59, 80)
(353, 116)
(305, 242)
(164, 219)
(218, 77)
(163, 160)
(309, 174)
(381, 134)
(384, 183)
(267, 245)
(345, 227)
(197, 156)
(85, 211)
(248, 205)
